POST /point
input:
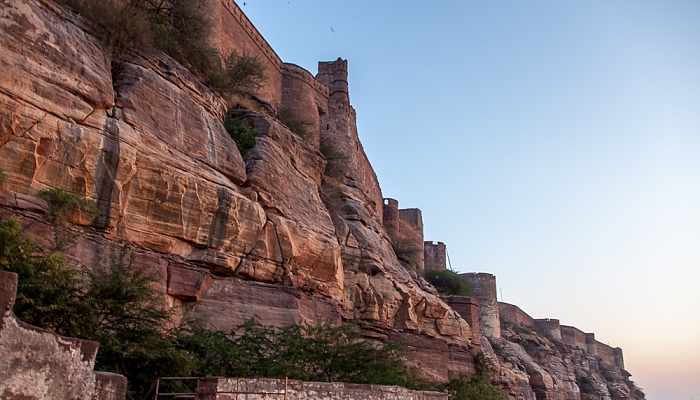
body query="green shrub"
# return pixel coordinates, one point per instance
(3, 177)
(62, 205)
(180, 28)
(241, 74)
(241, 133)
(448, 282)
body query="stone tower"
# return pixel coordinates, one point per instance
(483, 288)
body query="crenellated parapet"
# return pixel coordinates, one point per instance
(335, 75)
(435, 256)
(405, 229)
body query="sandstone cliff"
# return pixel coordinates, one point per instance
(290, 233)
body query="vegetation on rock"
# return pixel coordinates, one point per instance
(448, 283)
(181, 29)
(241, 133)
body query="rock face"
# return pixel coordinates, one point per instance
(292, 232)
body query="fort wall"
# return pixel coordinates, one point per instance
(552, 329)
(339, 135)
(232, 30)
(549, 328)
(405, 230)
(483, 288)
(304, 100)
(434, 256)
(573, 337)
(468, 308)
(514, 313)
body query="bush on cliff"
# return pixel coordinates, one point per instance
(448, 283)
(241, 133)
(181, 29)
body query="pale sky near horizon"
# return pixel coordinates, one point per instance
(553, 144)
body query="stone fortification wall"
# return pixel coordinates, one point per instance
(468, 308)
(552, 329)
(259, 389)
(435, 256)
(339, 136)
(549, 327)
(573, 337)
(38, 364)
(234, 31)
(405, 229)
(483, 288)
(514, 313)
(304, 100)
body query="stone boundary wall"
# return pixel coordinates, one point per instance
(514, 313)
(38, 364)
(573, 337)
(271, 389)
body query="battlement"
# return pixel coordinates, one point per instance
(435, 256)
(405, 230)
(335, 75)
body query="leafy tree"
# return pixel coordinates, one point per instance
(448, 282)
(48, 292)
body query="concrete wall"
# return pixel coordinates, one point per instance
(259, 389)
(38, 364)
(483, 289)
(514, 313)
(435, 256)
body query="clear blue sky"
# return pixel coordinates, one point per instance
(554, 144)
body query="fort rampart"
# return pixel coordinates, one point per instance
(435, 256)
(405, 229)
(514, 313)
